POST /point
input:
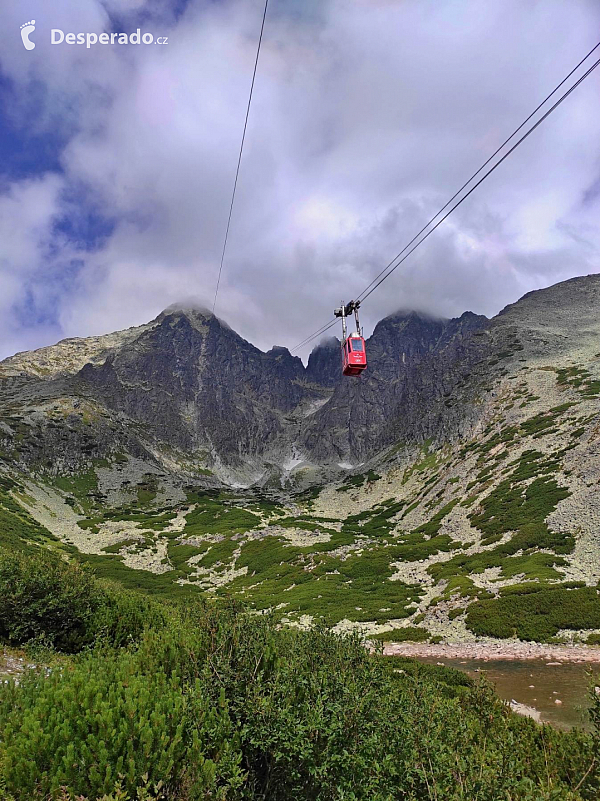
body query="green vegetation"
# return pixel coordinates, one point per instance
(147, 489)
(308, 497)
(580, 379)
(179, 555)
(112, 569)
(117, 546)
(334, 589)
(405, 634)
(352, 482)
(427, 461)
(61, 605)
(202, 701)
(311, 580)
(517, 507)
(215, 514)
(18, 530)
(536, 614)
(514, 506)
(42, 596)
(83, 487)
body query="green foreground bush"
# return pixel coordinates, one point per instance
(208, 702)
(61, 605)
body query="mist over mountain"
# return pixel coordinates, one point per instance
(189, 383)
(186, 390)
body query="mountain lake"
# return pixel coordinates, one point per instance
(537, 684)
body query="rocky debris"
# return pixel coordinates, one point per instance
(209, 579)
(486, 649)
(294, 536)
(12, 665)
(526, 711)
(48, 507)
(119, 481)
(154, 559)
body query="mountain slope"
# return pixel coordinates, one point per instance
(477, 513)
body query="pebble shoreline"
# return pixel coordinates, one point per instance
(495, 650)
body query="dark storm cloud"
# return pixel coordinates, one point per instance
(366, 117)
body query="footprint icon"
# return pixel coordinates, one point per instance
(26, 29)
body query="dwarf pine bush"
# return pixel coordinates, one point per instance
(44, 598)
(107, 722)
(205, 702)
(60, 604)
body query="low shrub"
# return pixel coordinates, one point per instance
(61, 605)
(106, 722)
(535, 615)
(220, 705)
(408, 634)
(123, 616)
(44, 598)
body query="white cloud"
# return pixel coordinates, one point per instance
(367, 116)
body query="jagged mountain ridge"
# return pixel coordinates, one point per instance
(413, 361)
(186, 391)
(188, 383)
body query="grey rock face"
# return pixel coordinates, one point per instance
(188, 384)
(413, 361)
(199, 386)
(323, 366)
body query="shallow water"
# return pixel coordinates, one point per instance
(568, 682)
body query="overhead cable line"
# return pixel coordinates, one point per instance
(387, 271)
(483, 166)
(321, 330)
(481, 180)
(237, 172)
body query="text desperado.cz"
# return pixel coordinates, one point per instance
(88, 39)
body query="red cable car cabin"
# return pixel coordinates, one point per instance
(354, 355)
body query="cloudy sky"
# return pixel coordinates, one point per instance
(117, 162)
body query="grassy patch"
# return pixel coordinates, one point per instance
(352, 482)
(18, 529)
(313, 583)
(113, 569)
(405, 634)
(215, 515)
(514, 506)
(536, 615)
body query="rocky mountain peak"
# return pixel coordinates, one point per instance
(188, 381)
(562, 319)
(187, 308)
(281, 353)
(323, 365)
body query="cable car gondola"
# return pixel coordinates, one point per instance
(354, 354)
